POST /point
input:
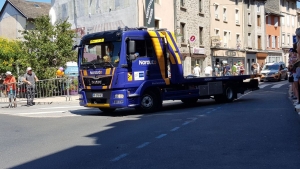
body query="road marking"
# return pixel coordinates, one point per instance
(264, 85)
(176, 128)
(143, 145)
(41, 112)
(208, 112)
(161, 136)
(119, 157)
(62, 107)
(278, 85)
(186, 123)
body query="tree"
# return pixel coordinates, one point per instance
(10, 54)
(48, 46)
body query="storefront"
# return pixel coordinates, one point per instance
(261, 59)
(221, 57)
(197, 56)
(250, 59)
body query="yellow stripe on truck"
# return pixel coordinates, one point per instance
(159, 53)
(98, 105)
(170, 42)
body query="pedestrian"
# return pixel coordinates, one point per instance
(197, 70)
(29, 79)
(208, 71)
(241, 69)
(10, 85)
(227, 70)
(234, 69)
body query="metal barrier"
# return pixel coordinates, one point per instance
(65, 87)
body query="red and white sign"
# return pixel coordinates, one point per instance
(192, 38)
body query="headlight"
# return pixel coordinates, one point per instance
(119, 96)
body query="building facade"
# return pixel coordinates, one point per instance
(192, 29)
(17, 16)
(254, 33)
(227, 32)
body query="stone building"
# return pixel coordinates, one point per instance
(192, 29)
(18, 15)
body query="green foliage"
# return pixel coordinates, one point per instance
(48, 46)
(10, 53)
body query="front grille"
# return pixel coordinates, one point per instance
(103, 81)
(98, 101)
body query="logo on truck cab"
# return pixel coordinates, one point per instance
(98, 72)
(147, 62)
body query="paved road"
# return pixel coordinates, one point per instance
(259, 130)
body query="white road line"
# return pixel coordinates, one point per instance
(40, 112)
(143, 145)
(119, 157)
(161, 136)
(176, 128)
(61, 107)
(278, 85)
(208, 112)
(185, 123)
(264, 85)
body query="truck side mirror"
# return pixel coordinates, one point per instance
(132, 48)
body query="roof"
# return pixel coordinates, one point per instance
(273, 12)
(29, 9)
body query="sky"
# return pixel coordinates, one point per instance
(3, 1)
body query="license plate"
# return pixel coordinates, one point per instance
(97, 95)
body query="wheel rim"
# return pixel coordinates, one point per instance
(147, 101)
(229, 93)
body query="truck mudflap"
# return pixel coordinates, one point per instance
(252, 84)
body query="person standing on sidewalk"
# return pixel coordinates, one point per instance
(10, 85)
(30, 78)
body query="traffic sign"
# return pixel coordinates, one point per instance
(192, 38)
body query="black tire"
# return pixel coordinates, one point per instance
(227, 96)
(107, 110)
(150, 102)
(189, 100)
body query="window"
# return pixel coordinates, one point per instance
(288, 40)
(248, 4)
(269, 20)
(238, 41)
(293, 21)
(268, 41)
(259, 42)
(216, 11)
(157, 1)
(217, 32)
(144, 48)
(283, 38)
(200, 35)
(273, 41)
(156, 24)
(249, 18)
(258, 20)
(225, 39)
(237, 17)
(249, 40)
(182, 32)
(287, 6)
(182, 2)
(287, 20)
(278, 41)
(236, 2)
(275, 21)
(282, 20)
(200, 6)
(258, 7)
(224, 14)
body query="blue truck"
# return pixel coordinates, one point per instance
(140, 68)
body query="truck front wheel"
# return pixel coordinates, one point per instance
(149, 103)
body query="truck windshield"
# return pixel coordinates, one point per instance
(101, 55)
(271, 67)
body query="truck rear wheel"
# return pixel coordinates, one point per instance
(107, 110)
(150, 102)
(227, 96)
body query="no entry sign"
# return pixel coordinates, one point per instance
(192, 38)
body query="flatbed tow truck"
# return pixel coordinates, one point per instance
(140, 68)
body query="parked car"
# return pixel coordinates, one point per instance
(274, 71)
